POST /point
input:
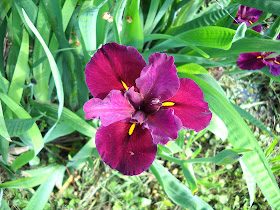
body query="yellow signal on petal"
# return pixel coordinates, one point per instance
(168, 103)
(124, 85)
(251, 22)
(259, 57)
(277, 62)
(131, 129)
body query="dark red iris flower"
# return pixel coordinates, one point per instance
(249, 16)
(139, 105)
(258, 60)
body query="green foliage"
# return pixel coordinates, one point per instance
(46, 45)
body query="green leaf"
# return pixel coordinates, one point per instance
(209, 36)
(191, 68)
(61, 129)
(240, 32)
(40, 73)
(190, 177)
(250, 180)
(33, 132)
(218, 127)
(270, 6)
(25, 183)
(87, 26)
(55, 72)
(5, 6)
(68, 117)
(226, 157)
(187, 12)
(132, 33)
(153, 7)
(44, 191)
(3, 129)
(208, 19)
(151, 37)
(175, 190)
(15, 90)
(240, 136)
(80, 158)
(252, 119)
(23, 159)
(16, 127)
(152, 19)
(246, 45)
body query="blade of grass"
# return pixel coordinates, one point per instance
(44, 191)
(21, 69)
(34, 132)
(240, 136)
(39, 72)
(55, 72)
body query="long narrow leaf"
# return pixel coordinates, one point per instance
(55, 72)
(240, 136)
(34, 132)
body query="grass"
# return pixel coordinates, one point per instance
(30, 88)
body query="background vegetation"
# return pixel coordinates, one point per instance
(48, 156)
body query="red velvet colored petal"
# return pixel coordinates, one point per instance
(113, 108)
(190, 106)
(159, 79)
(249, 61)
(274, 68)
(164, 126)
(110, 65)
(130, 155)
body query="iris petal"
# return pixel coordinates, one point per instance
(111, 65)
(159, 79)
(249, 61)
(190, 106)
(274, 67)
(164, 126)
(113, 108)
(129, 154)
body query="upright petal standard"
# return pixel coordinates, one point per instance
(139, 105)
(249, 16)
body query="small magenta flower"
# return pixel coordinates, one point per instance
(249, 16)
(139, 105)
(258, 60)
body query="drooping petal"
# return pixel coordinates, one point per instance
(190, 106)
(250, 61)
(110, 65)
(113, 108)
(164, 126)
(129, 154)
(159, 79)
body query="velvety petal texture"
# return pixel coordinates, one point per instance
(131, 155)
(159, 79)
(132, 100)
(110, 65)
(249, 16)
(250, 61)
(115, 107)
(164, 126)
(274, 67)
(190, 106)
